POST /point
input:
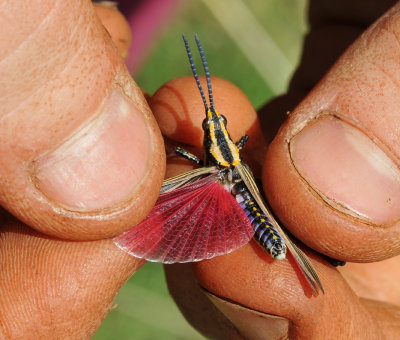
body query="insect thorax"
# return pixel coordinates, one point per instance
(220, 148)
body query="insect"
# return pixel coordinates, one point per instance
(214, 209)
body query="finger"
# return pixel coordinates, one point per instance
(243, 286)
(53, 289)
(116, 24)
(252, 281)
(221, 316)
(337, 155)
(79, 144)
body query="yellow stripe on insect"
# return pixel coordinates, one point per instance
(216, 152)
(214, 155)
(225, 131)
(215, 148)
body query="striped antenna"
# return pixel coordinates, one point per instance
(196, 76)
(203, 58)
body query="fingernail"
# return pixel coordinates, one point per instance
(250, 323)
(103, 164)
(348, 170)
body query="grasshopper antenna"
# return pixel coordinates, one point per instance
(203, 58)
(196, 76)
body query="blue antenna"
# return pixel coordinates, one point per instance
(196, 76)
(203, 58)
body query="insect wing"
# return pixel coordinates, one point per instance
(187, 177)
(198, 221)
(301, 258)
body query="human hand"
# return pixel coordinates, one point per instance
(70, 114)
(76, 301)
(331, 213)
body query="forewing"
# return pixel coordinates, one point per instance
(187, 177)
(301, 258)
(197, 221)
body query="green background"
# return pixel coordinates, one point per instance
(254, 44)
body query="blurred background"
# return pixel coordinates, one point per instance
(256, 44)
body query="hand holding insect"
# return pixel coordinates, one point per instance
(44, 262)
(213, 210)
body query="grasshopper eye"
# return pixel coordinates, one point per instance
(223, 119)
(205, 125)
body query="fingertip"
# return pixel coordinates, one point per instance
(81, 145)
(116, 24)
(332, 174)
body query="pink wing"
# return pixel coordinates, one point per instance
(198, 221)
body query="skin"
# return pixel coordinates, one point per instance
(52, 286)
(368, 292)
(116, 24)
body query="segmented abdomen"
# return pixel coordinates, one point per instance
(264, 231)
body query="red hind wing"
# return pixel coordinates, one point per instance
(198, 221)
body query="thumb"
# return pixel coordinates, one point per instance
(338, 154)
(78, 142)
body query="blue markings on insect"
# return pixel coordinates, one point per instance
(264, 231)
